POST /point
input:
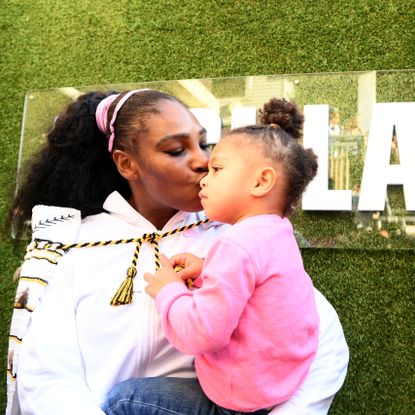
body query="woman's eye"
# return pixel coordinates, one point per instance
(204, 146)
(215, 169)
(176, 152)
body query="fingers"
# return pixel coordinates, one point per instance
(187, 273)
(178, 260)
(160, 278)
(183, 259)
(166, 274)
(148, 276)
(165, 262)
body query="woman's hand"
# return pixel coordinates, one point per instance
(162, 277)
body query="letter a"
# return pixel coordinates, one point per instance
(378, 172)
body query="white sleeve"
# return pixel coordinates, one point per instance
(51, 375)
(328, 370)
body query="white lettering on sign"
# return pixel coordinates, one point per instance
(316, 136)
(211, 121)
(242, 116)
(378, 172)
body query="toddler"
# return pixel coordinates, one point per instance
(252, 322)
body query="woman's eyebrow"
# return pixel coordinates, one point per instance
(179, 136)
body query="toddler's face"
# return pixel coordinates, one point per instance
(225, 194)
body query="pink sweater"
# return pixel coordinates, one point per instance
(253, 324)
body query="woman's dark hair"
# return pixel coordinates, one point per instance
(280, 128)
(74, 168)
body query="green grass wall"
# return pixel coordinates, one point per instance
(55, 43)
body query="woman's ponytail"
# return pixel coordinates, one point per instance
(73, 168)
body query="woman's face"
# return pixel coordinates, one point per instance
(171, 159)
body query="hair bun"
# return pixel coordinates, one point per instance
(283, 113)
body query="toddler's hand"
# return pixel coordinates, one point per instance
(191, 264)
(162, 277)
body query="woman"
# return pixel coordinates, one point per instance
(131, 164)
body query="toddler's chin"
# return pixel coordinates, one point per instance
(211, 216)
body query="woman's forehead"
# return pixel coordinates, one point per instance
(172, 115)
(168, 108)
(171, 122)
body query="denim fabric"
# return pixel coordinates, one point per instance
(163, 396)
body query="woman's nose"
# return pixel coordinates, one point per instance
(200, 161)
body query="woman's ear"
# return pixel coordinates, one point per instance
(126, 165)
(265, 180)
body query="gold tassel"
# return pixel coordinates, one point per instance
(124, 294)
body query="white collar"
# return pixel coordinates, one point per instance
(117, 206)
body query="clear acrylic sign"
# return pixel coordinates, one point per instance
(360, 124)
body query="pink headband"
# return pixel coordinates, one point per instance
(101, 114)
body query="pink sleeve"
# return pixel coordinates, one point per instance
(203, 320)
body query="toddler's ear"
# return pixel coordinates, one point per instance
(265, 180)
(126, 165)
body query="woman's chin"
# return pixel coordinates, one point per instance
(195, 206)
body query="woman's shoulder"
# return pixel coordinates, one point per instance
(55, 223)
(58, 224)
(107, 226)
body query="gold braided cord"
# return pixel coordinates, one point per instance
(124, 294)
(147, 237)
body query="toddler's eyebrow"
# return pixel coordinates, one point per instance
(216, 158)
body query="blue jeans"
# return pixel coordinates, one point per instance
(163, 396)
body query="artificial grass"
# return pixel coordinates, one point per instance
(47, 44)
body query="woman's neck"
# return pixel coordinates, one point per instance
(157, 216)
